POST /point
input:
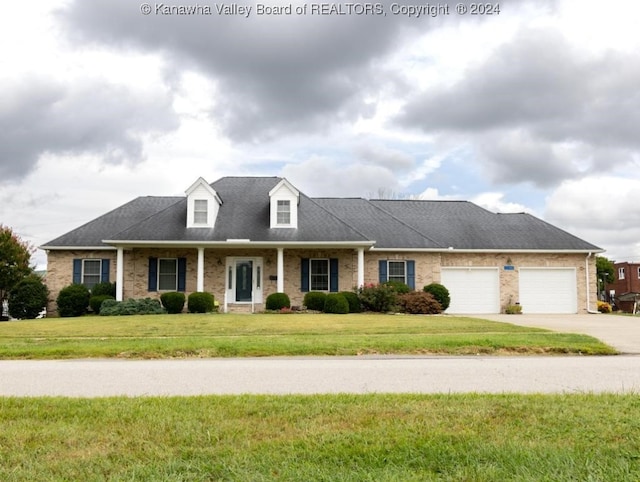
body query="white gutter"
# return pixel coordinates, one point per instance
(588, 290)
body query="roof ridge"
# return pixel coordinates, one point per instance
(437, 243)
(365, 237)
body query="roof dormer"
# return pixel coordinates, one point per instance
(203, 204)
(284, 200)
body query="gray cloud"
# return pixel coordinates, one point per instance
(274, 75)
(530, 100)
(41, 117)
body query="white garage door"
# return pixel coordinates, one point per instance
(547, 290)
(472, 290)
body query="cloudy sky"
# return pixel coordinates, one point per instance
(531, 106)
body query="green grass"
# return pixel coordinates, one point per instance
(323, 438)
(166, 336)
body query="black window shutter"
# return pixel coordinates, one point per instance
(304, 274)
(153, 274)
(182, 274)
(382, 271)
(104, 278)
(77, 271)
(333, 274)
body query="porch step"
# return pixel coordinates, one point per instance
(244, 308)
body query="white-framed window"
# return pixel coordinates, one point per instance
(91, 272)
(284, 211)
(638, 272)
(168, 274)
(397, 271)
(319, 275)
(200, 211)
(620, 273)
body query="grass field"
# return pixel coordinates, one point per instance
(323, 438)
(191, 335)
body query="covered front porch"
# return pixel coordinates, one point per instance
(240, 275)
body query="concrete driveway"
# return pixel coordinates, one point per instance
(312, 375)
(621, 332)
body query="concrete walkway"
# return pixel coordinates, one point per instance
(310, 375)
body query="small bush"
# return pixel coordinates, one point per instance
(73, 300)
(146, 306)
(419, 303)
(314, 300)
(353, 300)
(277, 301)
(604, 307)
(95, 302)
(381, 298)
(28, 298)
(336, 303)
(440, 293)
(104, 289)
(200, 303)
(513, 309)
(399, 287)
(173, 301)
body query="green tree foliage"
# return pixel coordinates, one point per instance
(73, 300)
(605, 269)
(15, 256)
(28, 298)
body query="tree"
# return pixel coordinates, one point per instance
(15, 256)
(605, 270)
(28, 298)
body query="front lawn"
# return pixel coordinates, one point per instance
(482, 438)
(228, 335)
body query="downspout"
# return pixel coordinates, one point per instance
(588, 290)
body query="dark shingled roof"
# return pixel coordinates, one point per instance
(402, 224)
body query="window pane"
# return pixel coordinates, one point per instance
(91, 272)
(284, 212)
(319, 275)
(168, 274)
(397, 271)
(200, 211)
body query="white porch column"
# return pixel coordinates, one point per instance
(120, 275)
(280, 273)
(360, 267)
(200, 278)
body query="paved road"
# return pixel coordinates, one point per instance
(95, 378)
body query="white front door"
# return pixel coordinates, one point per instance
(244, 280)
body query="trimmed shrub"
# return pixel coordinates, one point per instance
(382, 298)
(336, 303)
(28, 298)
(419, 303)
(604, 307)
(146, 306)
(95, 302)
(277, 301)
(513, 309)
(353, 300)
(399, 287)
(440, 293)
(73, 300)
(173, 301)
(314, 300)
(104, 289)
(200, 302)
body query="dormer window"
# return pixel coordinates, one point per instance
(203, 204)
(284, 212)
(200, 211)
(284, 200)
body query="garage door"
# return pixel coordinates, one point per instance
(548, 290)
(472, 290)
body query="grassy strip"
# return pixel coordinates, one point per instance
(279, 335)
(333, 437)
